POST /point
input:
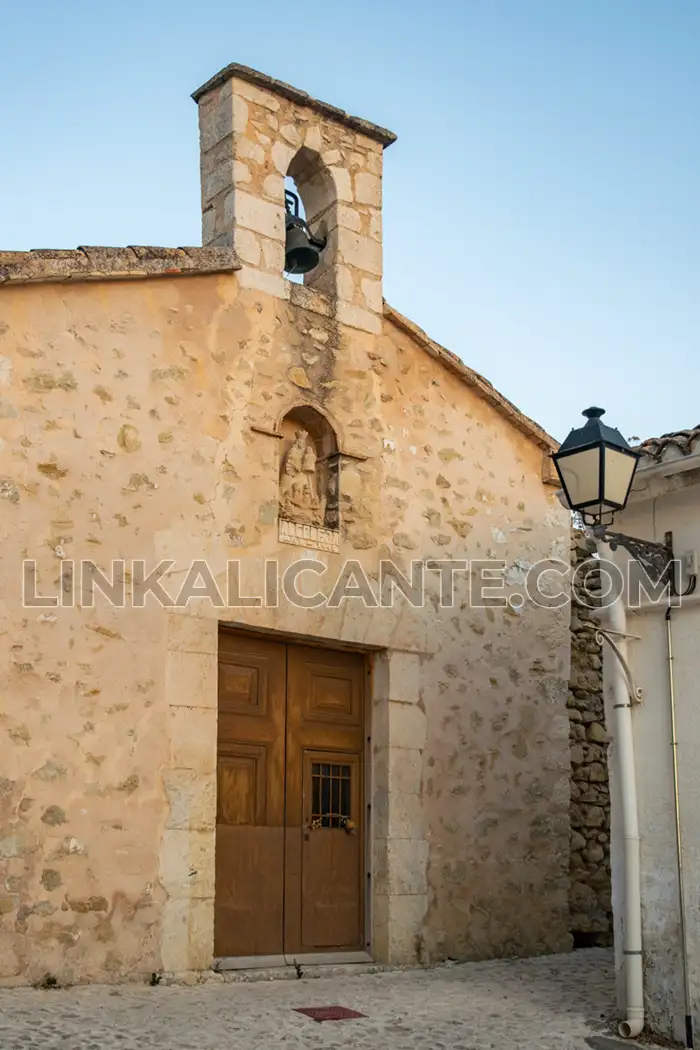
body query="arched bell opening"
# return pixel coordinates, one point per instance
(309, 469)
(311, 218)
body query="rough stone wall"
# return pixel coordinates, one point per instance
(137, 421)
(589, 895)
(493, 702)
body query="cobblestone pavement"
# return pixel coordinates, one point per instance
(533, 1004)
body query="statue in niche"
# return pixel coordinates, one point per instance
(299, 497)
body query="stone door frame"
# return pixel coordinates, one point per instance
(396, 900)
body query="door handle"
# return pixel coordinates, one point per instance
(313, 826)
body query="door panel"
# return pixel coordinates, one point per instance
(331, 881)
(249, 893)
(290, 821)
(324, 864)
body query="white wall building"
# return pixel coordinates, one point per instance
(665, 497)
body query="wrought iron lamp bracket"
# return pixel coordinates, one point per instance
(657, 559)
(613, 638)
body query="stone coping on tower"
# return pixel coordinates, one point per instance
(278, 87)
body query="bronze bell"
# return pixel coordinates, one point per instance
(302, 251)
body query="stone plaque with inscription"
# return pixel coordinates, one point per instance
(302, 535)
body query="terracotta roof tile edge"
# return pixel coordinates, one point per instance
(104, 264)
(683, 440)
(473, 379)
(278, 87)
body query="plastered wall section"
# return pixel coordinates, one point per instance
(675, 510)
(136, 423)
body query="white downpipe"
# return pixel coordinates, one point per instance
(624, 751)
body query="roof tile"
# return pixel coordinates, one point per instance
(669, 445)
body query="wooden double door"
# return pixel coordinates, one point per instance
(290, 800)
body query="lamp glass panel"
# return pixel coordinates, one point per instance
(580, 474)
(619, 470)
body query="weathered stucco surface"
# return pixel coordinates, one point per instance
(142, 420)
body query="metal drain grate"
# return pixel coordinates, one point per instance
(328, 1013)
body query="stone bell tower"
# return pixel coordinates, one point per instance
(253, 132)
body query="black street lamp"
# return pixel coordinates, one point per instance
(596, 467)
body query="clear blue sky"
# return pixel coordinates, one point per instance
(542, 213)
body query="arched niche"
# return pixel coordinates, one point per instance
(309, 469)
(315, 186)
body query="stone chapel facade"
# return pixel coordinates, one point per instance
(265, 778)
